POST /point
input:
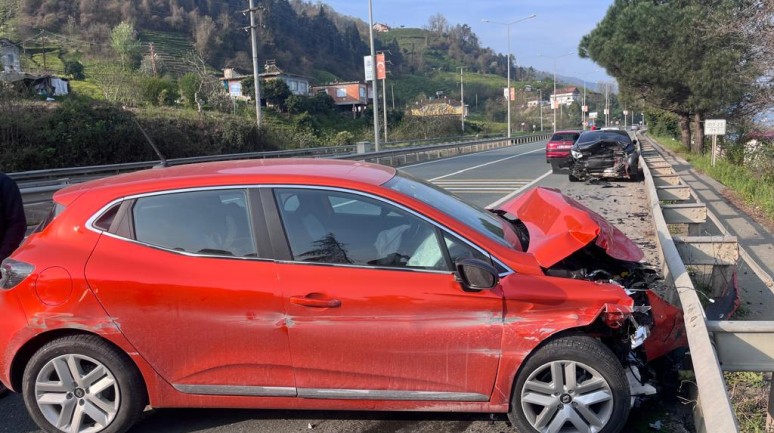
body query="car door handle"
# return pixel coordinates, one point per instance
(314, 302)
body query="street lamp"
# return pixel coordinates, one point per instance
(508, 92)
(556, 102)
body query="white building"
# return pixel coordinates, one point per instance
(9, 56)
(566, 96)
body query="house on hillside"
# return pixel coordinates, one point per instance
(439, 107)
(10, 59)
(381, 28)
(566, 96)
(232, 82)
(351, 96)
(299, 85)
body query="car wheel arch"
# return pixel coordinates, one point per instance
(580, 334)
(579, 331)
(28, 350)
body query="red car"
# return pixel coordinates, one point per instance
(322, 284)
(558, 149)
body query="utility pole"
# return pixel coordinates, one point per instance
(607, 104)
(373, 75)
(462, 99)
(256, 78)
(384, 96)
(540, 103)
(583, 108)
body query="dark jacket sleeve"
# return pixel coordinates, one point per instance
(14, 224)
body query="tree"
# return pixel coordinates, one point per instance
(189, 84)
(74, 69)
(123, 39)
(438, 24)
(276, 92)
(672, 60)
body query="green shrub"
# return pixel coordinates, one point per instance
(158, 91)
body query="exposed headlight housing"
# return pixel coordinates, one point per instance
(576, 154)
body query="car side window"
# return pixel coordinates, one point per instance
(342, 228)
(212, 222)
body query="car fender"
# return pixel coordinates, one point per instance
(537, 308)
(80, 312)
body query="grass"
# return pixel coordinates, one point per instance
(88, 89)
(754, 188)
(750, 399)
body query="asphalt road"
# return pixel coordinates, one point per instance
(481, 178)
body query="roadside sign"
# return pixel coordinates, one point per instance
(585, 108)
(512, 93)
(381, 68)
(368, 65)
(593, 115)
(715, 127)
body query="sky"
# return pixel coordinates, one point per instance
(555, 31)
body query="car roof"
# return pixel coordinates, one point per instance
(241, 172)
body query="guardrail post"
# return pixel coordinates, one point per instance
(364, 147)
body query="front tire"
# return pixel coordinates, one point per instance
(572, 384)
(82, 384)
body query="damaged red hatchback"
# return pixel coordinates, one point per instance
(318, 284)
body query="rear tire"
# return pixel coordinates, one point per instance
(571, 384)
(573, 179)
(82, 384)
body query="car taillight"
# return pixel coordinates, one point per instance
(13, 272)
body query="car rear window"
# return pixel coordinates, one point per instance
(213, 222)
(591, 136)
(565, 136)
(56, 209)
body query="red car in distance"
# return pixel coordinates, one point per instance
(558, 149)
(324, 284)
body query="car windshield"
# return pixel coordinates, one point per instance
(472, 216)
(565, 136)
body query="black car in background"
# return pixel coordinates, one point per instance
(604, 154)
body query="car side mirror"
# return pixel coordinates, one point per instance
(476, 274)
(634, 141)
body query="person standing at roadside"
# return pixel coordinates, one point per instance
(13, 224)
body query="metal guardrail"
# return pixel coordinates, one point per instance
(38, 186)
(741, 345)
(714, 412)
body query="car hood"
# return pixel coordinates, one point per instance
(559, 226)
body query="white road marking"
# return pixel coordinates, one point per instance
(485, 164)
(481, 185)
(518, 191)
(435, 161)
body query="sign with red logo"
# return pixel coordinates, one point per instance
(381, 67)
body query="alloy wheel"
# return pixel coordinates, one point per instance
(567, 394)
(77, 394)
